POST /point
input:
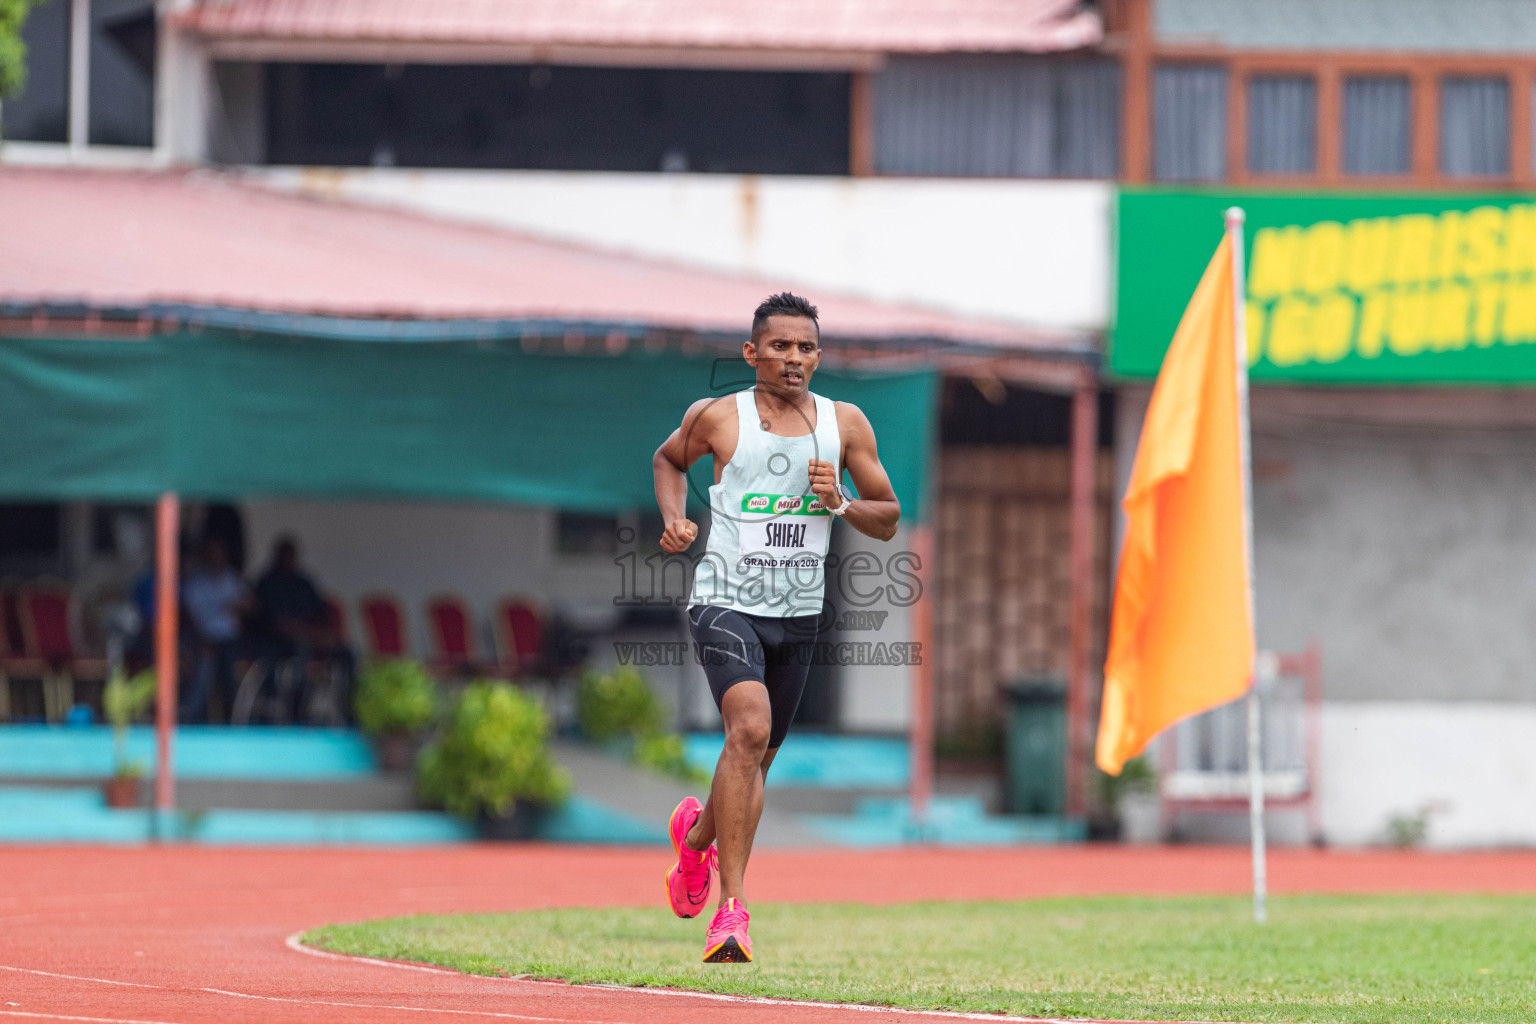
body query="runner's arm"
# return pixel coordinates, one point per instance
(876, 510)
(685, 446)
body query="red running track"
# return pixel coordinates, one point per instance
(195, 935)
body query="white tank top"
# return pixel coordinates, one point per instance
(768, 533)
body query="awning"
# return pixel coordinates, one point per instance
(158, 243)
(546, 26)
(212, 413)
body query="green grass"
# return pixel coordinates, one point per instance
(1320, 958)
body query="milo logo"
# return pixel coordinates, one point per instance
(784, 504)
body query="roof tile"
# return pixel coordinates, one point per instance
(882, 26)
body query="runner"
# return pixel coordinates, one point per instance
(779, 452)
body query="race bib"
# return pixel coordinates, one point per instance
(783, 531)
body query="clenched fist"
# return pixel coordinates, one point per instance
(824, 483)
(678, 535)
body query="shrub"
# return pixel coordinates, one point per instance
(616, 704)
(665, 754)
(123, 700)
(396, 696)
(620, 705)
(492, 752)
(1136, 776)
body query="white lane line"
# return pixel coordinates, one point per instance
(62, 1016)
(293, 943)
(285, 999)
(411, 1009)
(76, 977)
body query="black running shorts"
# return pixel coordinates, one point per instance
(732, 646)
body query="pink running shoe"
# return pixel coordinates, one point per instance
(688, 879)
(727, 942)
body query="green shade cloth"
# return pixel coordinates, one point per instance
(1341, 288)
(218, 415)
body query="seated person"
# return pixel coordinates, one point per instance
(215, 599)
(292, 621)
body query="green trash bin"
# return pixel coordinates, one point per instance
(1036, 746)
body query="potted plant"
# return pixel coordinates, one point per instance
(615, 708)
(619, 711)
(1131, 797)
(396, 702)
(123, 700)
(491, 762)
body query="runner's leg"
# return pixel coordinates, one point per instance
(703, 832)
(736, 795)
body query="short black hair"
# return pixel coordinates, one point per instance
(783, 304)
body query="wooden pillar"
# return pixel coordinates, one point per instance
(921, 740)
(861, 124)
(1330, 124)
(167, 608)
(1520, 84)
(1085, 443)
(1426, 126)
(1136, 91)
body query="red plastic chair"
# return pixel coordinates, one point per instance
(453, 634)
(519, 636)
(383, 627)
(46, 640)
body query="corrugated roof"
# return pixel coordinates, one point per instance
(881, 26)
(124, 240)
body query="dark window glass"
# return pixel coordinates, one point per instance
(29, 529)
(998, 116)
(122, 72)
(40, 111)
(1474, 126)
(1189, 121)
(558, 118)
(1282, 124)
(1378, 125)
(581, 533)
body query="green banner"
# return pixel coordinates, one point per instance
(1340, 288)
(215, 414)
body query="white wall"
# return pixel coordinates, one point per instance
(1031, 252)
(1470, 765)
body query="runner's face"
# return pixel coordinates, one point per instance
(786, 355)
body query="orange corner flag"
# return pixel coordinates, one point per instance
(1181, 636)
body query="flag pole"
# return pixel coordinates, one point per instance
(1255, 765)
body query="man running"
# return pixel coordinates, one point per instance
(779, 452)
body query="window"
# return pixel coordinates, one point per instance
(30, 530)
(998, 116)
(1378, 125)
(585, 534)
(1474, 126)
(122, 73)
(581, 533)
(556, 118)
(1189, 121)
(117, 79)
(1282, 124)
(40, 111)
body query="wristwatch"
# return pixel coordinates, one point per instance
(847, 500)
